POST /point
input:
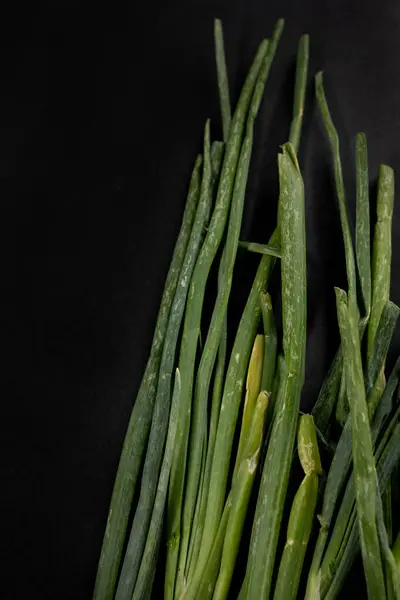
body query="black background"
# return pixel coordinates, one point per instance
(101, 114)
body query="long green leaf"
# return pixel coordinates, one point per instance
(208, 357)
(222, 73)
(342, 521)
(148, 564)
(363, 246)
(241, 490)
(154, 454)
(382, 250)
(299, 91)
(301, 514)
(276, 469)
(140, 421)
(364, 464)
(231, 185)
(389, 457)
(270, 343)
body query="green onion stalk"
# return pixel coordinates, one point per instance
(140, 420)
(276, 469)
(158, 431)
(181, 506)
(301, 514)
(215, 505)
(363, 459)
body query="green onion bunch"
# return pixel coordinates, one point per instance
(224, 488)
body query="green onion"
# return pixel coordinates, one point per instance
(389, 457)
(343, 518)
(206, 588)
(391, 571)
(214, 235)
(376, 363)
(363, 246)
(302, 513)
(396, 551)
(137, 538)
(262, 248)
(385, 405)
(147, 567)
(307, 446)
(270, 343)
(279, 454)
(204, 372)
(140, 421)
(278, 397)
(348, 244)
(201, 503)
(334, 144)
(341, 461)
(241, 490)
(223, 85)
(199, 417)
(382, 250)
(328, 394)
(381, 266)
(299, 91)
(233, 388)
(364, 464)
(253, 386)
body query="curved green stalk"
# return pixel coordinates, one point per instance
(138, 534)
(347, 239)
(140, 420)
(334, 145)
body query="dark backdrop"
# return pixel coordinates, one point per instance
(101, 114)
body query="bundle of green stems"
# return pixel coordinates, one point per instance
(210, 448)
